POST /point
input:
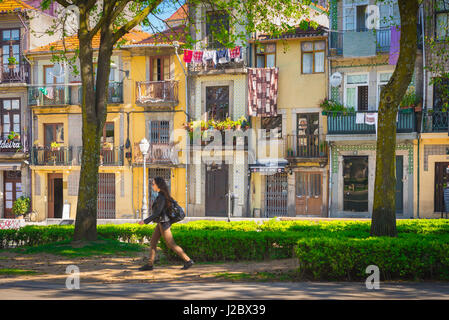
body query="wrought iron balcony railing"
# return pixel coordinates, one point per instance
(108, 156)
(157, 93)
(67, 94)
(47, 156)
(306, 146)
(15, 73)
(435, 121)
(157, 154)
(345, 123)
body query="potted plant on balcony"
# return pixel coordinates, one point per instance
(107, 146)
(408, 102)
(21, 206)
(322, 149)
(115, 98)
(55, 146)
(12, 62)
(330, 106)
(13, 136)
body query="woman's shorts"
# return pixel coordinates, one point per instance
(165, 225)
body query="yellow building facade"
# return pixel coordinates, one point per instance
(143, 101)
(292, 180)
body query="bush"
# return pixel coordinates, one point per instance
(411, 257)
(218, 245)
(21, 206)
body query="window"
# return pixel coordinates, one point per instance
(159, 132)
(266, 55)
(217, 29)
(355, 180)
(441, 19)
(10, 47)
(108, 133)
(354, 15)
(217, 102)
(356, 92)
(383, 79)
(440, 93)
(313, 56)
(53, 132)
(159, 68)
(53, 74)
(10, 113)
(389, 14)
(307, 124)
(272, 123)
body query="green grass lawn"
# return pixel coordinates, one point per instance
(18, 272)
(84, 249)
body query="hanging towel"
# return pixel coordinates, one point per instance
(188, 55)
(395, 36)
(49, 94)
(222, 56)
(262, 91)
(234, 53)
(360, 118)
(209, 55)
(198, 56)
(371, 119)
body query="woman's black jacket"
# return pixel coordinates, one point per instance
(158, 210)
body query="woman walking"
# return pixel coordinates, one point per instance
(159, 215)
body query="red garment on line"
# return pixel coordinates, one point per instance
(188, 54)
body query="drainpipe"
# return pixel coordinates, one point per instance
(176, 45)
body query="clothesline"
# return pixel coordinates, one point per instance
(216, 56)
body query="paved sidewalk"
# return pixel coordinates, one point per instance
(223, 290)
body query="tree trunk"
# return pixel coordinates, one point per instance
(384, 207)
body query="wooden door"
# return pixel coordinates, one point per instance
(55, 195)
(12, 189)
(309, 195)
(441, 178)
(216, 189)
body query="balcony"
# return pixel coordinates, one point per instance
(18, 73)
(382, 38)
(307, 147)
(115, 93)
(157, 154)
(52, 95)
(67, 94)
(46, 156)
(219, 68)
(435, 121)
(345, 123)
(157, 93)
(108, 156)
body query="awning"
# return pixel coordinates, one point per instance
(269, 166)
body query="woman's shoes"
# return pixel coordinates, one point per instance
(187, 265)
(146, 267)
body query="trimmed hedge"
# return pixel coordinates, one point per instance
(412, 257)
(35, 235)
(205, 245)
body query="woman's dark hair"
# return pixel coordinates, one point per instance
(160, 182)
